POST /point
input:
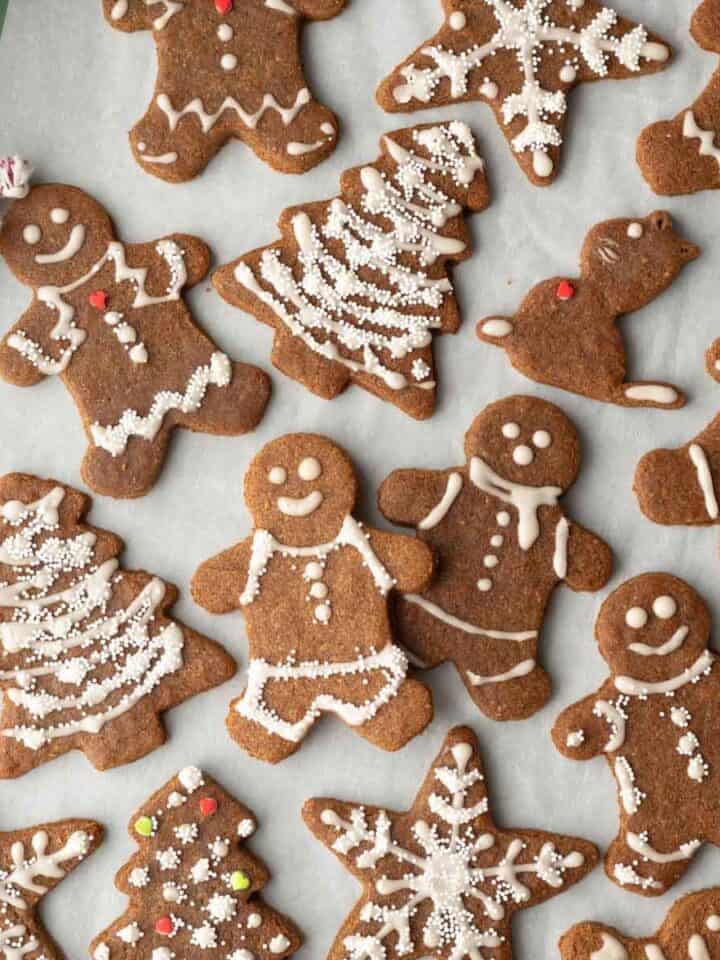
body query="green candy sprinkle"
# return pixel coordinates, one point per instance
(144, 826)
(239, 880)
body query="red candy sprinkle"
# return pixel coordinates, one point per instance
(98, 299)
(223, 6)
(165, 926)
(565, 290)
(208, 806)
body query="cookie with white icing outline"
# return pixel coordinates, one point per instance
(110, 319)
(194, 888)
(442, 879)
(227, 69)
(682, 155)
(358, 285)
(89, 655)
(690, 931)
(33, 861)
(522, 59)
(565, 331)
(313, 584)
(502, 544)
(656, 722)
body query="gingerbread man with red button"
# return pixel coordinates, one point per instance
(565, 333)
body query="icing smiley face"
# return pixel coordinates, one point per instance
(300, 488)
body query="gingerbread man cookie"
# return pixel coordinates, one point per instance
(193, 886)
(565, 334)
(227, 69)
(313, 584)
(442, 879)
(89, 656)
(656, 722)
(359, 284)
(503, 544)
(32, 863)
(683, 155)
(689, 932)
(522, 58)
(110, 319)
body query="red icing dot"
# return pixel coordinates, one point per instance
(165, 926)
(223, 6)
(208, 806)
(565, 290)
(98, 299)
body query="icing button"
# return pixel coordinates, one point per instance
(164, 926)
(322, 612)
(565, 290)
(223, 6)
(98, 299)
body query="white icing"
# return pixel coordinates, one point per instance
(654, 392)
(310, 469)
(225, 32)
(32, 234)
(277, 475)
(300, 506)
(654, 952)
(297, 148)
(697, 948)
(693, 131)
(713, 922)
(615, 715)
(434, 610)
(522, 669)
(636, 688)
(568, 73)
(279, 943)
(627, 875)
(575, 738)
(611, 949)
(59, 215)
(163, 159)
(705, 479)
(542, 439)
(120, 10)
(630, 796)
(522, 455)
(664, 607)
(228, 61)
(641, 845)
(439, 512)
(457, 20)
(511, 430)
(636, 618)
(281, 6)
(497, 327)
(560, 556)
(75, 243)
(670, 646)
(635, 231)
(208, 120)
(27, 869)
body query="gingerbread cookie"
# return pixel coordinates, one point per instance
(227, 69)
(503, 544)
(32, 863)
(89, 656)
(313, 584)
(690, 930)
(358, 284)
(194, 888)
(683, 155)
(656, 721)
(442, 879)
(110, 319)
(522, 59)
(565, 334)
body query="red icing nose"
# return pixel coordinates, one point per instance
(223, 6)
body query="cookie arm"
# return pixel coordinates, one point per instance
(131, 15)
(218, 583)
(589, 560)
(408, 497)
(30, 337)
(581, 732)
(408, 561)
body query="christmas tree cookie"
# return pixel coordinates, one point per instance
(442, 880)
(89, 656)
(32, 863)
(358, 285)
(522, 58)
(193, 887)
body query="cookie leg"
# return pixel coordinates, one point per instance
(324, 377)
(675, 156)
(176, 153)
(129, 474)
(297, 147)
(514, 694)
(235, 408)
(256, 740)
(646, 393)
(679, 486)
(404, 717)
(634, 872)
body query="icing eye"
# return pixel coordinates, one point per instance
(636, 618)
(59, 215)
(32, 234)
(277, 475)
(309, 469)
(511, 430)
(635, 231)
(523, 455)
(541, 439)
(664, 607)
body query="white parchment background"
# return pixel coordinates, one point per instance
(70, 88)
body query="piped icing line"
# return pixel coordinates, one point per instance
(705, 479)
(440, 511)
(120, 10)
(115, 437)
(693, 131)
(560, 556)
(65, 328)
(637, 688)
(630, 796)
(611, 949)
(207, 120)
(452, 621)
(654, 952)
(73, 246)
(665, 649)
(614, 714)
(522, 669)
(26, 870)
(697, 948)
(352, 321)
(281, 6)
(639, 843)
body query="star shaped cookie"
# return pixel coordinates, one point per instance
(442, 879)
(522, 57)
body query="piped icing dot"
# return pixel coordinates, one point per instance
(568, 73)
(503, 518)
(228, 61)
(523, 455)
(225, 32)
(497, 540)
(240, 880)
(314, 570)
(664, 607)
(636, 618)
(318, 591)
(490, 560)
(144, 827)
(713, 922)
(541, 439)
(322, 612)
(635, 231)
(484, 585)
(489, 89)
(32, 234)
(59, 215)
(457, 20)
(511, 430)
(309, 469)
(277, 475)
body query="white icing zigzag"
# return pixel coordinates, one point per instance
(693, 131)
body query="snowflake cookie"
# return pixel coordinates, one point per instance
(655, 720)
(197, 897)
(442, 879)
(522, 57)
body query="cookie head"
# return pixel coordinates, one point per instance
(635, 260)
(54, 235)
(526, 441)
(653, 627)
(300, 488)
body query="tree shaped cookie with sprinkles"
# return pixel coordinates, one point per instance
(442, 879)
(655, 719)
(502, 544)
(691, 929)
(683, 155)
(193, 887)
(359, 284)
(32, 863)
(89, 657)
(522, 58)
(227, 69)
